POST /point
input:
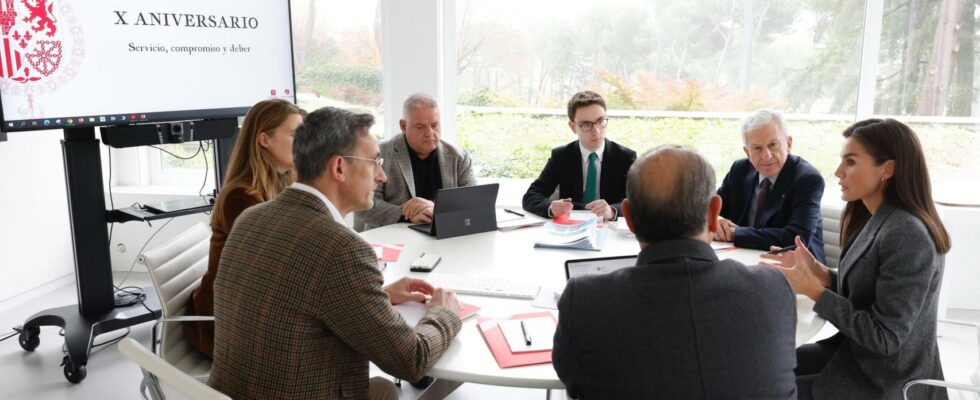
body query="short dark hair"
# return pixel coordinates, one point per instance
(668, 199)
(584, 99)
(325, 133)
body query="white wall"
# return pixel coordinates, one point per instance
(129, 237)
(962, 274)
(413, 59)
(35, 237)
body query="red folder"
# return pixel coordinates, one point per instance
(498, 344)
(389, 252)
(467, 310)
(565, 219)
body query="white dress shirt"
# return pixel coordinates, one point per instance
(312, 190)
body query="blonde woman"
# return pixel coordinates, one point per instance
(261, 166)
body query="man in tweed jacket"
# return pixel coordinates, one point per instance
(419, 164)
(299, 305)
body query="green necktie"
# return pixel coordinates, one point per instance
(590, 179)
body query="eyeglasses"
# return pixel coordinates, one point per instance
(378, 162)
(588, 126)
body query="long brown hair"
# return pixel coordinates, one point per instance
(251, 166)
(909, 189)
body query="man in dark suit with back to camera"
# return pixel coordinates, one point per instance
(680, 324)
(299, 305)
(771, 196)
(590, 173)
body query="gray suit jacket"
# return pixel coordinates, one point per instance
(455, 166)
(679, 325)
(883, 301)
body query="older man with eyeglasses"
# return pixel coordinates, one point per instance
(589, 173)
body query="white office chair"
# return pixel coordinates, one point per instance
(174, 381)
(972, 391)
(831, 234)
(176, 268)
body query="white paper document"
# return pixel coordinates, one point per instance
(585, 235)
(540, 331)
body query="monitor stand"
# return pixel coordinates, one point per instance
(96, 312)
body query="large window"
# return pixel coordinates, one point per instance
(686, 72)
(928, 74)
(672, 72)
(698, 55)
(338, 62)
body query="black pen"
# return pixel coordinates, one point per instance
(782, 250)
(514, 212)
(527, 338)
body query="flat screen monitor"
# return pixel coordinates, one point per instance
(81, 63)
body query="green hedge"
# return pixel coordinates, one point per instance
(518, 145)
(350, 83)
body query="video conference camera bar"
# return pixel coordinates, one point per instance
(169, 132)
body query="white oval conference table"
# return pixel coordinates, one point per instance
(511, 255)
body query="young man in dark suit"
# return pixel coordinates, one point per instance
(771, 196)
(681, 324)
(590, 173)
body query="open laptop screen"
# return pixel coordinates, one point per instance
(597, 266)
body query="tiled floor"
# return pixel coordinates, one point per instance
(37, 375)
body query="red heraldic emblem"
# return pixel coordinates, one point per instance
(31, 41)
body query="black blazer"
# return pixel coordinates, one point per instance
(798, 189)
(883, 301)
(564, 171)
(679, 325)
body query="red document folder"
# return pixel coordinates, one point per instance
(389, 252)
(501, 351)
(565, 219)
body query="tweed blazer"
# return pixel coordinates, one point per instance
(883, 300)
(300, 309)
(455, 167)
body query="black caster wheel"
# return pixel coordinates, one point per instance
(73, 373)
(29, 338)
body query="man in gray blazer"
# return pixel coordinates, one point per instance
(681, 324)
(418, 164)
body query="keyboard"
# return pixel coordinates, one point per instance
(483, 285)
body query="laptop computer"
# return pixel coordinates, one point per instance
(462, 211)
(184, 203)
(597, 266)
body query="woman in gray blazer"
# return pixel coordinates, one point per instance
(883, 297)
